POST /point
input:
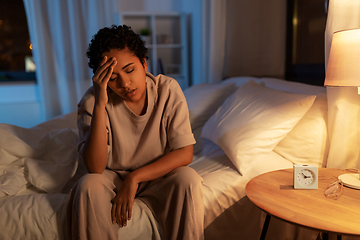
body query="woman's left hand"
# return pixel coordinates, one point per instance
(122, 203)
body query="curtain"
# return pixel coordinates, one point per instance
(256, 38)
(60, 31)
(214, 36)
(343, 102)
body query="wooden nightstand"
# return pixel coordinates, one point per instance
(274, 193)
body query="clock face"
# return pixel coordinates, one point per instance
(305, 177)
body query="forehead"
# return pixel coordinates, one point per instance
(119, 53)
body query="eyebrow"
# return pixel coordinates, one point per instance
(127, 65)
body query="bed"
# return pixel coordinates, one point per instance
(244, 126)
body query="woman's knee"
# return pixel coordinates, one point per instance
(186, 177)
(91, 183)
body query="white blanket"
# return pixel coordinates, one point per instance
(46, 160)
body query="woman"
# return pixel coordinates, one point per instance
(135, 140)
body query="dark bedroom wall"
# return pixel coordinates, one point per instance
(278, 38)
(256, 38)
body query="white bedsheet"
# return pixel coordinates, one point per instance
(223, 184)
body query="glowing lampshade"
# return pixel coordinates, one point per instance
(343, 68)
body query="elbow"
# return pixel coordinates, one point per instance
(94, 170)
(93, 166)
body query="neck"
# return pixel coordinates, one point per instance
(139, 108)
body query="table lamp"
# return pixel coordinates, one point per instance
(343, 70)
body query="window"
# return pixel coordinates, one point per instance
(305, 50)
(16, 61)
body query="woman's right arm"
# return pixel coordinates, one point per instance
(94, 150)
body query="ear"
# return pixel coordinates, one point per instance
(145, 65)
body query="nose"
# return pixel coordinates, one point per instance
(123, 82)
(127, 83)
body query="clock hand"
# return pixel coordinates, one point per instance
(305, 176)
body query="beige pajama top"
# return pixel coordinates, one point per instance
(135, 141)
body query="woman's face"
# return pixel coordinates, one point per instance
(128, 79)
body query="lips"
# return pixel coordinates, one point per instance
(131, 92)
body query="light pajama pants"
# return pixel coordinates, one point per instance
(176, 201)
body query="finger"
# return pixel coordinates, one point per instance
(129, 210)
(108, 74)
(113, 211)
(105, 76)
(103, 69)
(118, 215)
(102, 62)
(123, 215)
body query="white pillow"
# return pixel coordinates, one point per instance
(252, 121)
(203, 100)
(308, 143)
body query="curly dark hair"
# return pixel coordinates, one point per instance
(115, 37)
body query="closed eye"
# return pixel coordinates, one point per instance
(113, 78)
(130, 70)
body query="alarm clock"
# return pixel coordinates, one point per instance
(305, 177)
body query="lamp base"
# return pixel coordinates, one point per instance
(350, 180)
